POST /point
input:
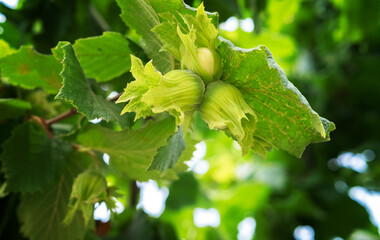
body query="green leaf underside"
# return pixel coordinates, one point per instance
(131, 152)
(78, 92)
(104, 57)
(285, 118)
(87, 189)
(32, 161)
(42, 213)
(28, 69)
(140, 15)
(146, 78)
(13, 108)
(168, 155)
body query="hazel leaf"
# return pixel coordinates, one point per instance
(103, 57)
(285, 119)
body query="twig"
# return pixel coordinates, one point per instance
(134, 193)
(44, 125)
(72, 112)
(62, 116)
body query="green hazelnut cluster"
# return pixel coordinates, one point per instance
(194, 87)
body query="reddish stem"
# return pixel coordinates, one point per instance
(44, 125)
(62, 116)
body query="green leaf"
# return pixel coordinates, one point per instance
(142, 226)
(87, 189)
(285, 118)
(104, 57)
(78, 92)
(140, 15)
(130, 151)
(161, 6)
(12, 108)
(183, 192)
(32, 161)
(42, 213)
(5, 49)
(30, 70)
(58, 51)
(168, 155)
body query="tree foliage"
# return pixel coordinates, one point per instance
(130, 80)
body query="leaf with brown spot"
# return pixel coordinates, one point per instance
(28, 69)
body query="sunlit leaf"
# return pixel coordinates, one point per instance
(103, 57)
(28, 69)
(285, 118)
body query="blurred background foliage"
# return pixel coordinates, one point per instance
(329, 49)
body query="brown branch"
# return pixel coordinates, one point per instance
(134, 194)
(62, 116)
(44, 124)
(72, 112)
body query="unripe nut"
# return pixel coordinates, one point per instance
(223, 106)
(179, 89)
(207, 64)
